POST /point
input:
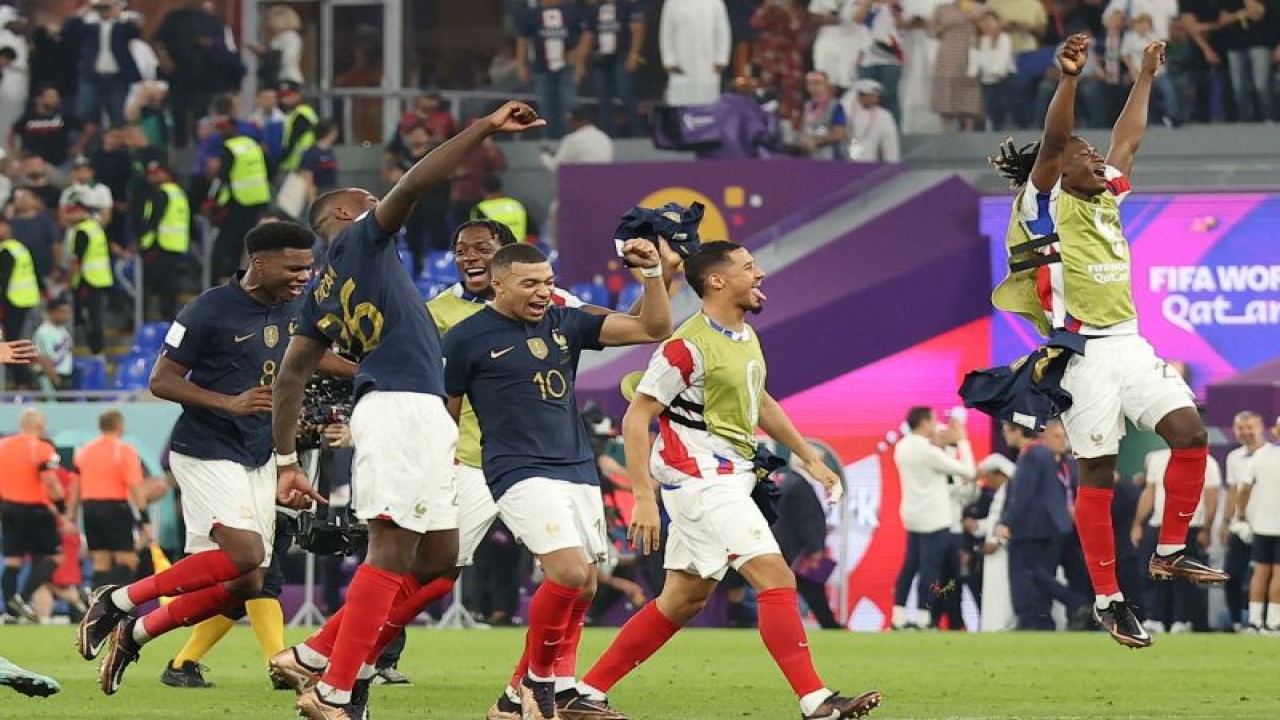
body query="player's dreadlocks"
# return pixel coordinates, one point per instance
(1014, 164)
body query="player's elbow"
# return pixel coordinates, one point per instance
(658, 330)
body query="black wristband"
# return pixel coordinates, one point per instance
(61, 506)
(143, 517)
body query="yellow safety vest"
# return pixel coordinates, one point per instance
(174, 231)
(95, 264)
(505, 210)
(24, 288)
(294, 160)
(247, 175)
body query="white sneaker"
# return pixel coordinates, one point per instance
(1269, 631)
(1153, 627)
(1181, 627)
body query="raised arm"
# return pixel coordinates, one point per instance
(653, 323)
(1132, 123)
(1060, 121)
(440, 163)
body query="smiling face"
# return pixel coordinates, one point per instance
(1083, 169)
(523, 290)
(473, 255)
(739, 281)
(1248, 430)
(283, 273)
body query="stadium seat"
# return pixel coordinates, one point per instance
(91, 373)
(149, 338)
(440, 268)
(591, 293)
(428, 288)
(133, 372)
(629, 295)
(406, 257)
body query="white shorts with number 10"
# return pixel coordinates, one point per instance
(1118, 377)
(548, 515)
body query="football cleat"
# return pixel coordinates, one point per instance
(21, 609)
(390, 676)
(573, 705)
(538, 700)
(1180, 566)
(26, 682)
(188, 675)
(838, 707)
(505, 709)
(124, 651)
(286, 666)
(310, 705)
(1122, 625)
(99, 621)
(360, 698)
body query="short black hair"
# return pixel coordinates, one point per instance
(324, 127)
(321, 207)
(223, 104)
(917, 415)
(519, 253)
(583, 113)
(1022, 430)
(500, 231)
(702, 263)
(56, 303)
(492, 184)
(278, 236)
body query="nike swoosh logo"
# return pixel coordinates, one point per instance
(1105, 563)
(495, 354)
(246, 337)
(1182, 514)
(549, 643)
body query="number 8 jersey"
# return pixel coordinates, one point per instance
(712, 381)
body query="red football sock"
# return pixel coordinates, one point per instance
(370, 596)
(194, 572)
(323, 639)
(1093, 523)
(643, 635)
(1183, 486)
(548, 620)
(188, 609)
(783, 635)
(567, 659)
(410, 601)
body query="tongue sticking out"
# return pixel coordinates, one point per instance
(759, 295)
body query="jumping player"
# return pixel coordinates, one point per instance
(404, 438)
(1070, 271)
(705, 387)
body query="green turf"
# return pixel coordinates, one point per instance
(719, 674)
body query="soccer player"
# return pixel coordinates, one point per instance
(705, 387)
(220, 360)
(404, 438)
(515, 361)
(111, 492)
(1069, 271)
(26, 682)
(34, 512)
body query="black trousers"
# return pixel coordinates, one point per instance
(815, 596)
(1033, 569)
(493, 583)
(926, 556)
(162, 277)
(1171, 602)
(91, 304)
(1237, 588)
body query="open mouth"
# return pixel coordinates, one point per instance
(758, 294)
(1100, 171)
(538, 307)
(475, 274)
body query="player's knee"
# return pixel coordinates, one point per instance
(572, 575)
(247, 558)
(1190, 438)
(246, 586)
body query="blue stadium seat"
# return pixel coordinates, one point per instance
(429, 289)
(133, 372)
(629, 295)
(149, 338)
(591, 293)
(406, 257)
(91, 373)
(440, 268)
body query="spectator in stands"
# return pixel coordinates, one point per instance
(85, 190)
(429, 112)
(555, 34)
(89, 255)
(502, 208)
(1202, 21)
(281, 60)
(467, 183)
(50, 48)
(428, 225)
(742, 38)
(244, 192)
(1111, 72)
(957, 94)
(882, 60)
(56, 365)
(48, 130)
(1025, 20)
(149, 110)
(107, 67)
(919, 48)
(34, 227)
(824, 129)
(1250, 33)
(585, 143)
(779, 55)
(320, 161)
(1163, 14)
(873, 133)
(991, 64)
(299, 127)
(694, 41)
(617, 30)
(165, 237)
(838, 42)
(268, 121)
(191, 46)
(40, 178)
(19, 283)
(15, 80)
(504, 70)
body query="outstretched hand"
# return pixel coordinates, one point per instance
(1073, 54)
(18, 352)
(1153, 58)
(515, 117)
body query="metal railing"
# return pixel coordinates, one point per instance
(340, 104)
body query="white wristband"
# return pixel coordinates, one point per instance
(283, 460)
(651, 272)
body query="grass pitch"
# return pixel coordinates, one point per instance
(715, 675)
